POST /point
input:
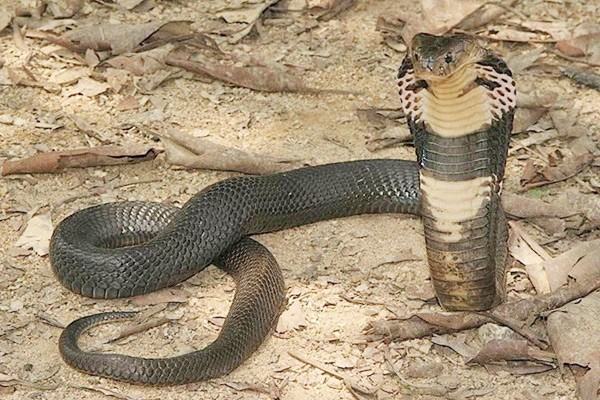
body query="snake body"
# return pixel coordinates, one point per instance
(458, 99)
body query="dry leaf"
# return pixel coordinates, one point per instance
(168, 295)
(332, 8)
(509, 350)
(567, 168)
(122, 38)
(580, 262)
(519, 62)
(456, 343)
(438, 17)
(87, 87)
(195, 152)
(292, 318)
(68, 76)
(511, 35)
(88, 157)
(5, 18)
(486, 14)
(247, 13)
(146, 62)
(558, 30)
(573, 330)
(585, 42)
(527, 207)
(37, 234)
(257, 77)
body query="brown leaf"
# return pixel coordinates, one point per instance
(509, 350)
(558, 30)
(292, 318)
(567, 168)
(484, 15)
(168, 295)
(257, 77)
(331, 8)
(578, 263)
(456, 343)
(585, 42)
(573, 330)
(123, 38)
(87, 87)
(195, 152)
(88, 157)
(5, 18)
(69, 76)
(527, 207)
(519, 62)
(36, 235)
(438, 17)
(146, 62)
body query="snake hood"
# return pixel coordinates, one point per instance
(437, 57)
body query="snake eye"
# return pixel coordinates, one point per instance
(448, 59)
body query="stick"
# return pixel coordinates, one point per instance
(427, 324)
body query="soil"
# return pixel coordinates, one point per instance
(340, 274)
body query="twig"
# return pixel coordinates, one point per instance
(427, 324)
(138, 328)
(518, 327)
(574, 59)
(350, 385)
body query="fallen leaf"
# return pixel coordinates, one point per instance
(486, 14)
(566, 123)
(168, 295)
(128, 103)
(80, 158)
(382, 139)
(511, 35)
(68, 76)
(439, 16)
(292, 318)
(195, 152)
(558, 30)
(519, 62)
(509, 350)
(122, 38)
(331, 8)
(456, 343)
(585, 42)
(146, 62)
(528, 207)
(567, 168)
(257, 77)
(36, 235)
(87, 86)
(578, 263)
(247, 12)
(573, 331)
(5, 18)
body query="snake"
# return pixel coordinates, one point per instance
(458, 98)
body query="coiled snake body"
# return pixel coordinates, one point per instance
(459, 101)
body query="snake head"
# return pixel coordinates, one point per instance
(437, 57)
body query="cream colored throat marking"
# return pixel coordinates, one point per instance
(451, 203)
(450, 112)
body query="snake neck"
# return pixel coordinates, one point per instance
(461, 126)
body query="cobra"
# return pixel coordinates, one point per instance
(459, 101)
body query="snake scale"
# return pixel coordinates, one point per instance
(459, 100)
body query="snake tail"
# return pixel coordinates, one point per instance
(257, 304)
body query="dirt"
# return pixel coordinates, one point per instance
(372, 260)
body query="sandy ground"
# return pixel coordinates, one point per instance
(376, 259)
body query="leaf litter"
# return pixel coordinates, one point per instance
(145, 63)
